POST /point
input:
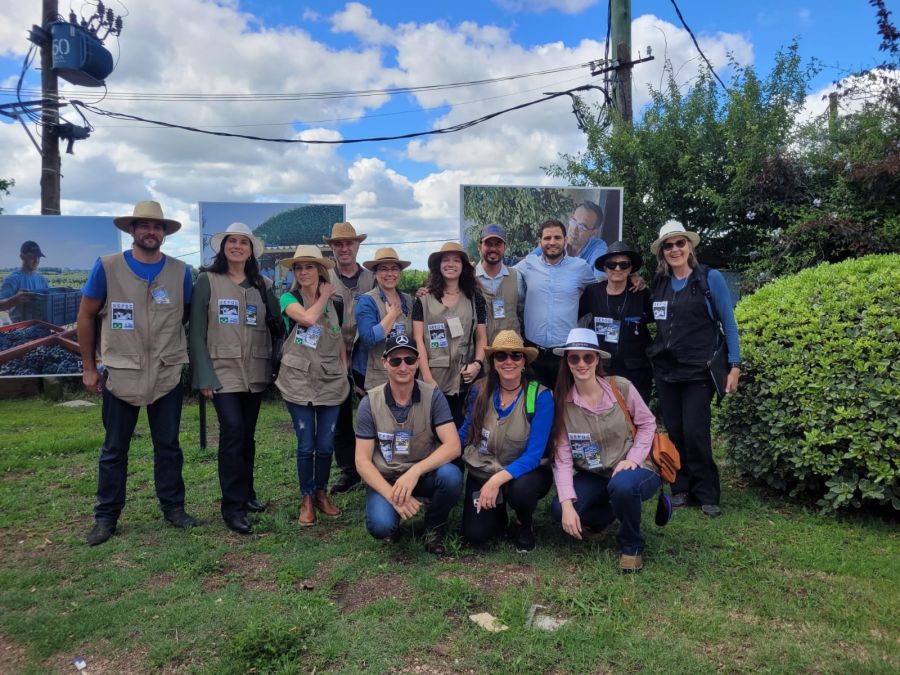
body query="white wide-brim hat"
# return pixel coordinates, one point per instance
(582, 339)
(673, 228)
(215, 241)
(150, 211)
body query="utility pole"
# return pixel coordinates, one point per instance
(50, 163)
(620, 36)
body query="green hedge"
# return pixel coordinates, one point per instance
(817, 413)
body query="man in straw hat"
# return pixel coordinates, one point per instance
(350, 280)
(498, 283)
(139, 301)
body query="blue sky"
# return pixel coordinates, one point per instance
(396, 190)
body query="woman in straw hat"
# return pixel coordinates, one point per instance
(313, 376)
(692, 309)
(382, 312)
(592, 433)
(504, 438)
(231, 359)
(449, 321)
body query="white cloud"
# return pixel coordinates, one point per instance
(357, 19)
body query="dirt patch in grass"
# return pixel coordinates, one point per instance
(160, 580)
(12, 655)
(498, 577)
(251, 570)
(101, 659)
(362, 593)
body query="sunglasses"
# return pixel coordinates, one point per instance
(669, 245)
(502, 356)
(574, 359)
(617, 264)
(408, 360)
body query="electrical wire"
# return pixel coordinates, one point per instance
(697, 45)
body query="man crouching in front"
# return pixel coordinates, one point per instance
(406, 442)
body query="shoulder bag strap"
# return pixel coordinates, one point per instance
(618, 395)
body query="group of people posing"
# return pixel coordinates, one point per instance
(489, 385)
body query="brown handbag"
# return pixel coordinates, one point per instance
(663, 452)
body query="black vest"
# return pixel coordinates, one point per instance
(630, 352)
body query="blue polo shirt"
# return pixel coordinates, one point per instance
(95, 286)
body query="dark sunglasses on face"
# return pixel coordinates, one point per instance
(502, 356)
(574, 359)
(397, 360)
(669, 245)
(617, 264)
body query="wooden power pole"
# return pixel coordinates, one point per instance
(50, 162)
(620, 36)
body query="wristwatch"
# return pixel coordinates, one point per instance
(736, 364)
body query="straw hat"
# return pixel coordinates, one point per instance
(673, 228)
(306, 253)
(148, 210)
(450, 247)
(215, 241)
(510, 341)
(385, 255)
(582, 339)
(343, 231)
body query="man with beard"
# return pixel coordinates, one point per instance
(498, 283)
(549, 287)
(139, 301)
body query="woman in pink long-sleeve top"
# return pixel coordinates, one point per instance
(613, 474)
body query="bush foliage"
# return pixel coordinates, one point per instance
(817, 411)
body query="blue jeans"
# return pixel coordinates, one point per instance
(119, 420)
(440, 487)
(314, 426)
(602, 500)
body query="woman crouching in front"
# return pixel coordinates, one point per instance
(613, 474)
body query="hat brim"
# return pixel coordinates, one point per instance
(581, 347)
(372, 264)
(215, 242)
(530, 352)
(359, 237)
(436, 256)
(636, 260)
(325, 263)
(395, 348)
(125, 223)
(692, 237)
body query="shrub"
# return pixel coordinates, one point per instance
(817, 413)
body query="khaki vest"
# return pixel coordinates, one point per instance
(143, 362)
(505, 440)
(375, 372)
(446, 362)
(314, 374)
(422, 441)
(509, 293)
(240, 353)
(609, 434)
(364, 284)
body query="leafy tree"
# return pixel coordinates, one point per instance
(5, 185)
(302, 225)
(412, 280)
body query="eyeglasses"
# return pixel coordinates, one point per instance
(574, 359)
(669, 245)
(617, 264)
(397, 360)
(502, 356)
(583, 226)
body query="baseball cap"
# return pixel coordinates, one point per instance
(32, 248)
(493, 230)
(395, 342)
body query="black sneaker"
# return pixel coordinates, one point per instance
(711, 510)
(680, 499)
(255, 506)
(100, 532)
(434, 541)
(523, 538)
(180, 519)
(344, 483)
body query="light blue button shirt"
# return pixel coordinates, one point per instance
(491, 284)
(550, 294)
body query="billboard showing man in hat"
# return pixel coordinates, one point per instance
(16, 288)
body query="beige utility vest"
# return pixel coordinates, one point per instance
(364, 284)
(142, 342)
(420, 439)
(505, 301)
(599, 442)
(239, 346)
(311, 368)
(375, 372)
(447, 354)
(501, 441)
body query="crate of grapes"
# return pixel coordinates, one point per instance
(58, 306)
(49, 356)
(26, 332)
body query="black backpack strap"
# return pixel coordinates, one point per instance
(338, 308)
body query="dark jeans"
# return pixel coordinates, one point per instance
(119, 420)
(440, 487)
(314, 426)
(686, 414)
(546, 366)
(237, 413)
(602, 500)
(521, 494)
(344, 435)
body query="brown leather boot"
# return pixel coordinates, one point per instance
(307, 512)
(325, 505)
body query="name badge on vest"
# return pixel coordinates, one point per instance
(308, 337)
(437, 336)
(607, 329)
(661, 310)
(585, 449)
(122, 316)
(386, 445)
(160, 296)
(250, 319)
(499, 307)
(398, 329)
(229, 312)
(483, 444)
(454, 325)
(401, 442)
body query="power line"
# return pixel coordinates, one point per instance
(697, 45)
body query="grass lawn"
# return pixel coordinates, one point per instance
(768, 587)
